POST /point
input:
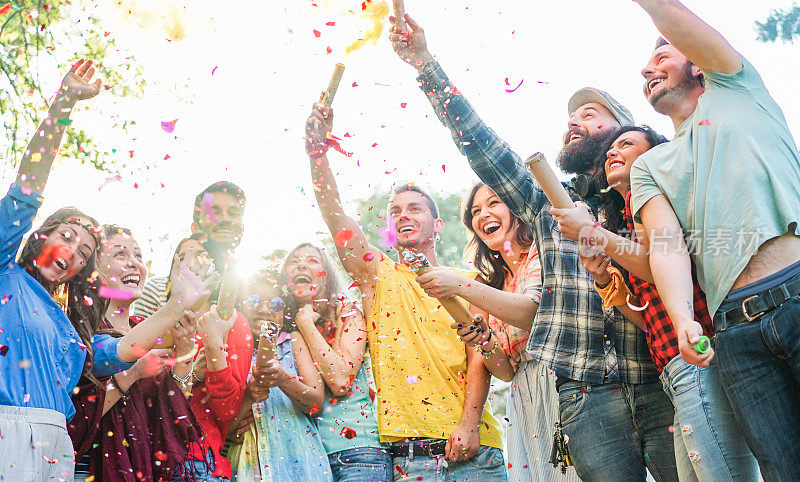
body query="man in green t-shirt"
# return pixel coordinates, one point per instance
(728, 185)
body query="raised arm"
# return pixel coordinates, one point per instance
(701, 44)
(43, 147)
(339, 362)
(671, 266)
(490, 157)
(357, 256)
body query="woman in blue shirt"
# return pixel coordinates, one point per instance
(44, 350)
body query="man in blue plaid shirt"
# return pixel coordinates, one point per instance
(612, 405)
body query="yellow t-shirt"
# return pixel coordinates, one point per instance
(418, 362)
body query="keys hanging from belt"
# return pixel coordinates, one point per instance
(560, 452)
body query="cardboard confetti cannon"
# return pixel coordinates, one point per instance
(333, 85)
(226, 301)
(399, 16)
(419, 264)
(552, 187)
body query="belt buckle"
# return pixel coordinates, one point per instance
(429, 448)
(746, 314)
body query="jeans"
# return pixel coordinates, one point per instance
(759, 364)
(199, 469)
(487, 465)
(617, 431)
(709, 444)
(361, 464)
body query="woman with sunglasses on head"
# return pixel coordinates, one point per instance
(119, 430)
(335, 331)
(505, 298)
(45, 349)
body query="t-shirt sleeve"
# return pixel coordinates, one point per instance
(533, 278)
(746, 79)
(17, 211)
(106, 360)
(643, 187)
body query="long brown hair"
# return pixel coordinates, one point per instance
(488, 262)
(83, 306)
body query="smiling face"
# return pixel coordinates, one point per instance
(257, 313)
(305, 274)
(619, 159)
(413, 220)
(588, 130)
(120, 262)
(220, 218)
(491, 219)
(588, 118)
(65, 252)
(669, 79)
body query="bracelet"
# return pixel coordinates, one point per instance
(182, 381)
(194, 375)
(591, 231)
(491, 352)
(117, 385)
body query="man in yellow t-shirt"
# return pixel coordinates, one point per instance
(431, 390)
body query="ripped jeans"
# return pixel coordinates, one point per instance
(709, 444)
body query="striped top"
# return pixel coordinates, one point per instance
(154, 295)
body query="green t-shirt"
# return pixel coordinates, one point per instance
(732, 175)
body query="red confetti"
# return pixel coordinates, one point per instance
(317, 33)
(161, 456)
(342, 237)
(5, 299)
(705, 122)
(355, 84)
(397, 467)
(314, 408)
(330, 24)
(328, 50)
(368, 257)
(348, 433)
(403, 104)
(167, 157)
(5, 8)
(3, 350)
(443, 168)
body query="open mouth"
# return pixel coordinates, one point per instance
(301, 278)
(491, 227)
(653, 83)
(615, 165)
(405, 229)
(61, 264)
(573, 137)
(131, 280)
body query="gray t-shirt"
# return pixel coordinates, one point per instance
(732, 175)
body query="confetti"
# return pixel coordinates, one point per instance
(605, 190)
(161, 456)
(5, 8)
(314, 408)
(3, 350)
(510, 91)
(342, 237)
(412, 379)
(348, 433)
(214, 69)
(704, 122)
(87, 301)
(207, 207)
(317, 33)
(5, 299)
(114, 293)
(368, 257)
(388, 234)
(507, 248)
(168, 127)
(109, 180)
(444, 168)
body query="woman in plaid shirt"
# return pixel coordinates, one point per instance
(709, 444)
(508, 296)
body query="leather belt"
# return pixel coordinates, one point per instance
(757, 305)
(428, 447)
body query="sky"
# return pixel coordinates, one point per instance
(241, 77)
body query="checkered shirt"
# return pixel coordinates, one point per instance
(572, 333)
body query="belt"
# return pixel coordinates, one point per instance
(428, 447)
(757, 305)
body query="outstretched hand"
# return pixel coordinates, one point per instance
(77, 84)
(411, 46)
(318, 127)
(192, 281)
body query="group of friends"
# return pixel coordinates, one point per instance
(599, 315)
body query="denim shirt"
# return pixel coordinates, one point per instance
(572, 333)
(43, 356)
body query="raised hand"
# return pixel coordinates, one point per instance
(574, 222)
(318, 127)
(411, 46)
(77, 84)
(192, 281)
(213, 329)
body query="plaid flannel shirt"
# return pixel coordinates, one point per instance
(661, 334)
(572, 334)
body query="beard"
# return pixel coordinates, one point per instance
(582, 156)
(662, 101)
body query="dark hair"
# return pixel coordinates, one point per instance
(612, 203)
(84, 306)
(332, 280)
(410, 186)
(270, 278)
(661, 41)
(490, 263)
(110, 230)
(219, 186)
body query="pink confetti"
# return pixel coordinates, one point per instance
(25, 190)
(388, 234)
(507, 248)
(705, 122)
(444, 169)
(207, 207)
(412, 379)
(317, 33)
(168, 127)
(109, 180)
(403, 104)
(5, 299)
(214, 69)
(114, 293)
(509, 91)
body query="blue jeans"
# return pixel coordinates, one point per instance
(617, 431)
(361, 464)
(759, 364)
(709, 444)
(487, 465)
(201, 472)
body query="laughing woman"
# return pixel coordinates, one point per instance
(45, 349)
(508, 297)
(151, 422)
